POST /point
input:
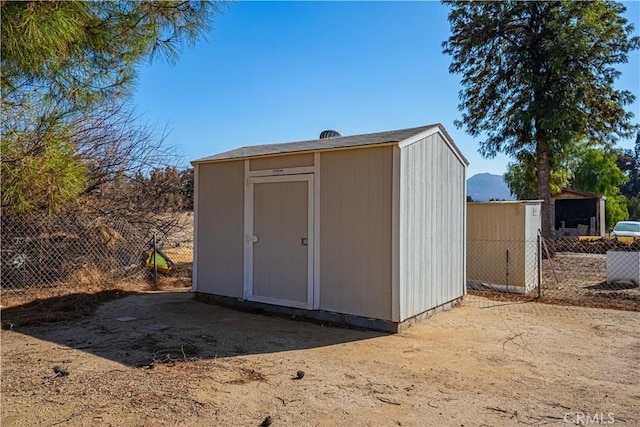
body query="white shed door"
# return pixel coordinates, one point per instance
(281, 240)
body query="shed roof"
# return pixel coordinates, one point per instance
(322, 144)
(585, 194)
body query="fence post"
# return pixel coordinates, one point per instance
(507, 272)
(539, 249)
(155, 264)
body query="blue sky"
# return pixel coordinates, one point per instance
(284, 71)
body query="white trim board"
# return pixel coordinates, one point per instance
(402, 251)
(429, 132)
(278, 301)
(247, 282)
(395, 236)
(282, 171)
(464, 231)
(194, 271)
(316, 232)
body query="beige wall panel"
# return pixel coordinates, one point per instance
(495, 221)
(281, 162)
(431, 226)
(355, 231)
(221, 228)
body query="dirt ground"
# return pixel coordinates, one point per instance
(580, 279)
(188, 363)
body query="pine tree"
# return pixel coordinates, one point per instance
(69, 65)
(538, 76)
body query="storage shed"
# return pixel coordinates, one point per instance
(503, 250)
(578, 213)
(366, 230)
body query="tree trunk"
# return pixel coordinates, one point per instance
(544, 189)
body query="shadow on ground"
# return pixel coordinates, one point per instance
(168, 327)
(615, 286)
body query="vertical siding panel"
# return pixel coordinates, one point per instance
(347, 267)
(221, 228)
(457, 228)
(430, 165)
(411, 255)
(385, 258)
(355, 224)
(448, 212)
(425, 220)
(442, 180)
(448, 209)
(438, 180)
(432, 235)
(330, 246)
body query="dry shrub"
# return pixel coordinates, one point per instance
(89, 276)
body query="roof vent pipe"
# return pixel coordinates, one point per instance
(325, 134)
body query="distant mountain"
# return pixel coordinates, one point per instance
(485, 186)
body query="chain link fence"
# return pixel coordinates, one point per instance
(75, 250)
(597, 272)
(589, 271)
(509, 266)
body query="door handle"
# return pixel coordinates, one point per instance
(252, 239)
(304, 241)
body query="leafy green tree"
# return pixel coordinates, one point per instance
(598, 172)
(521, 176)
(633, 207)
(538, 76)
(587, 169)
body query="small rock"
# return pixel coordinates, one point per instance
(299, 375)
(266, 422)
(6, 325)
(60, 372)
